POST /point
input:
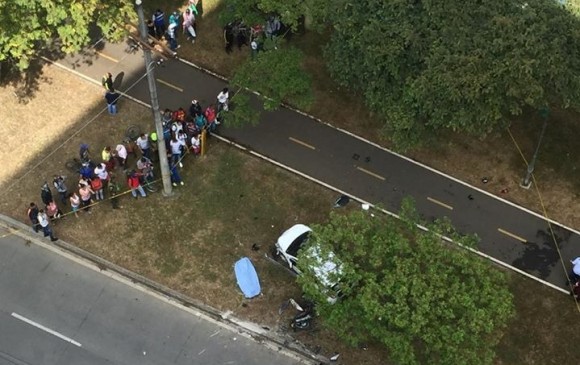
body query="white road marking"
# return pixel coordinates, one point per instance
(215, 333)
(438, 202)
(45, 329)
(295, 140)
(201, 352)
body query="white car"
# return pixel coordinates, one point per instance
(295, 238)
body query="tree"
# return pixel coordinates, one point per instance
(426, 300)
(428, 67)
(29, 26)
(255, 11)
(277, 75)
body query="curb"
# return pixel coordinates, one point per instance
(254, 331)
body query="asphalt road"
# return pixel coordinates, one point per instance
(508, 233)
(54, 311)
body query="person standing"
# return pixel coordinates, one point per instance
(121, 154)
(97, 186)
(176, 147)
(171, 37)
(159, 23)
(86, 193)
(144, 145)
(222, 99)
(45, 224)
(60, 186)
(111, 98)
(75, 203)
(107, 82)
(188, 22)
(33, 216)
(46, 194)
(135, 185)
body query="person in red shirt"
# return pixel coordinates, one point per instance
(210, 116)
(135, 185)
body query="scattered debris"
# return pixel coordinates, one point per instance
(355, 156)
(504, 191)
(365, 206)
(334, 357)
(484, 180)
(255, 247)
(470, 197)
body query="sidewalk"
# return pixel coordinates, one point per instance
(518, 238)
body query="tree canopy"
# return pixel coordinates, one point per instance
(427, 301)
(277, 75)
(30, 25)
(427, 67)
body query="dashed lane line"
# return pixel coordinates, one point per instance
(440, 203)
(302, 143)
(170, 85)
(45, 329)
(370, 173)
(112, 59)
(514, 236)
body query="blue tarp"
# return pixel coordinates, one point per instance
(247, 277)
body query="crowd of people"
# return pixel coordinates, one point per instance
(158, 28)
(97, 182)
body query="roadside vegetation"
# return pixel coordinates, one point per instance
(232, 201)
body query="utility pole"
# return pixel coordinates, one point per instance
(527, 181)
(149, 69)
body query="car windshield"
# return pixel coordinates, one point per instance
(295, 246)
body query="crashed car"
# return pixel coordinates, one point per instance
(326, 270)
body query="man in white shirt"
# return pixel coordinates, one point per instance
(45, 224)
(121, 152)
(222, 99)
(176, 146)
(144, 145)
(101, 172)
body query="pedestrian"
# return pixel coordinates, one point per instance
(222, 100)
(195, 108)
(171, 37)
(188, 25)
(86, 193)
(210, 116)
(102, 173)
(575, 272)
(107, 82)
(60, 186)
(112, 97)
(33, 216)
(176, 147)
(159, 23)
(135, 185)
(75, 202)
(121, 155)
(175, 177)
(97, 186)
(144, 145)
(52, 211)
(114, 190)
(107, 157)
(174, 19)
(45, 224)
(200, 121)
(196, 144)
(45, 194)
(145, 170)
(84, 153)
(86, 172)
